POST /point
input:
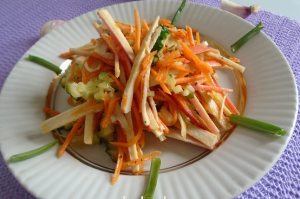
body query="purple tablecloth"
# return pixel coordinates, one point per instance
(20, 22)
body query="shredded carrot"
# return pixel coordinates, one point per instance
(190, 36)
(108, 112)
(131, 142)
(80, 131)
(165, 88)
(173, 110)
(166, 130)
(162, 74)
(200, 65)
(181, 34)
(118, 165)
(50, 111)
(197, 38)
(142, 140)
(66, 55)
(153, 72)
(92, 105)
(145, 65)
(182, 74)
(190, 79)
(105, 100)
(116, 80)
(166, 23)
(84, 75)
(138, 30)
(145, 25)
(234, 59)
(144, 158)
(70, 136)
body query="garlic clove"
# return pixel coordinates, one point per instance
(50, 25)
(238, 9)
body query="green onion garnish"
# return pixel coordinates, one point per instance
(238, 44)
(44, 63)
(32, 153)
(257, 125)
(154, 171)
(174, 20)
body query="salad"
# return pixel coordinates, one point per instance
(147, 77)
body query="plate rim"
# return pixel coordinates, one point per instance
(130, 3)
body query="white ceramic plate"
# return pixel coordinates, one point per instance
(227, 172)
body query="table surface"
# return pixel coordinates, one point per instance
(20, 23)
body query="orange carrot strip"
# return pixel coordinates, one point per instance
(162, 74)
(185, 80)
(80, 131)
(172, 55)
(145, 65)
(134, 140)
(200, 65)
(145, 25)
(178, 33)
(190, 36)
(164, 87)
(174, 112)
(182, 74)
(144, 158)
(166, 130)
(139, 79)
(70, 136)
(166, 23)
(118, 165)
(137, 30)
(153, 72)
(179, 68)
(50, 111)
(109, 111)
(84, 75)
(91, 105)
(234, 59)
(66, 55)
(197, 38)
(93, 74)
(116, 80)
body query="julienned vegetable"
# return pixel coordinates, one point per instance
(153, 176)
(239, 43)
(175, 18)
(257, 125)
(45, 63)
(32, 153)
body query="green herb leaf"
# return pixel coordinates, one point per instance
(153, 176)
(238, 44)
(257, 125)
(32, 153)
(45, 63)
(175, 18)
